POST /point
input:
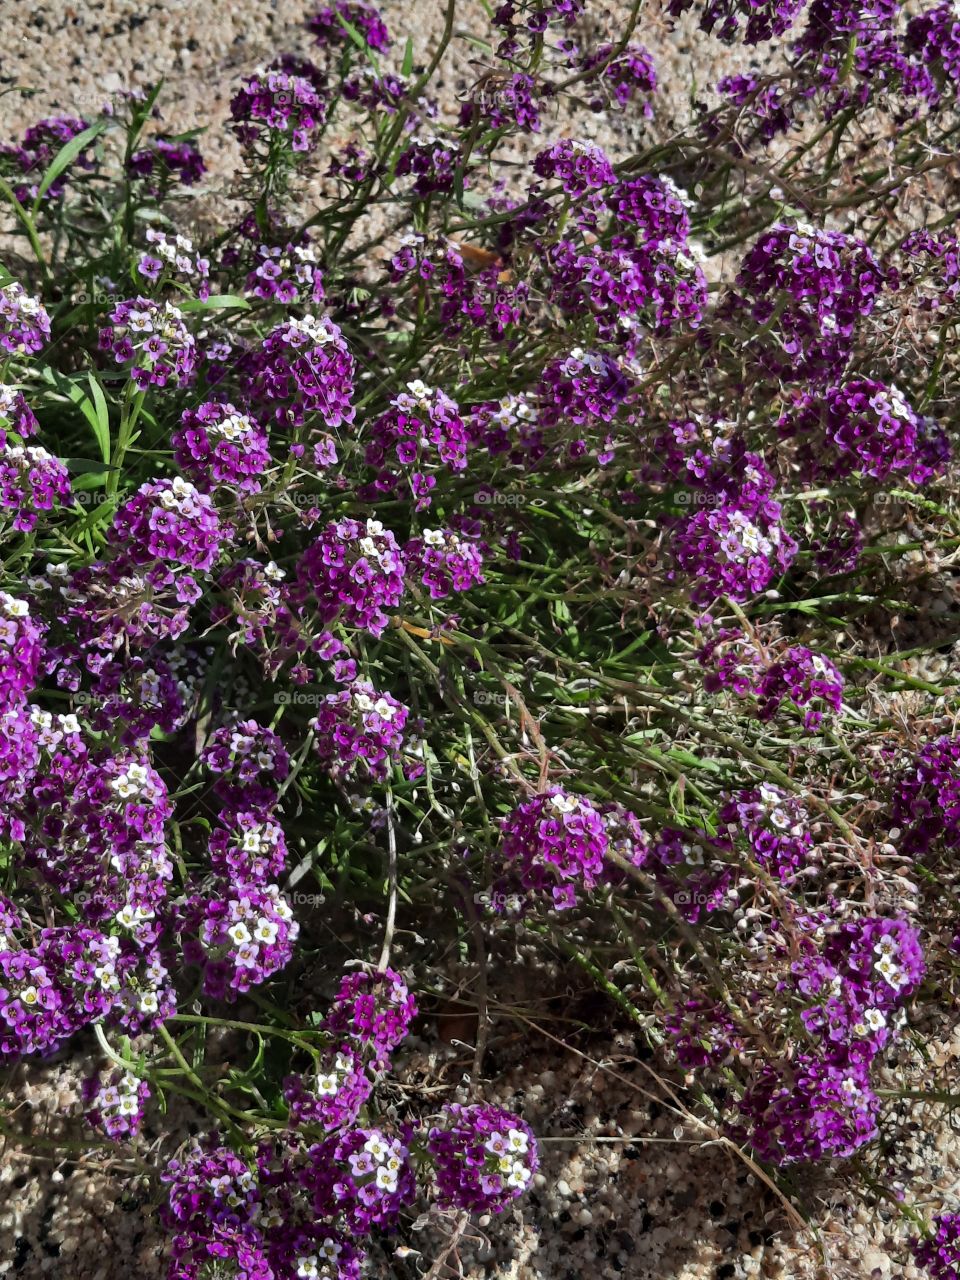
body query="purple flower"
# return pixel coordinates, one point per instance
(154, 336)
(276, 102)
(578, 166)
(353, 572)
(359, 731)
(808, 289)
(483, 1157)
(217, 445)
(364, 18)
(303, 368)
(170, 521)
(24, 323)
(168, 159)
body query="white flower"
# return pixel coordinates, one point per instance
(517, 1140)
(375, 1145)
(266, 931)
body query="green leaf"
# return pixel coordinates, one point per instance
(101, 420)
(359, 41)
(216, 302)
(407, 58)
(85, 469)
(89, 408)
(64, 157)
(141, 115)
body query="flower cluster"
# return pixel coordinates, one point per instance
(238, 935)
(736, 547)
(578, 166)
(168, 158)
(483, 1157)
(31, 480)
(940, 1251)
(423, 431)
(353, 572)
(867, 428)
(31, 158)
(369, 1018)
(762, 19)
(24, 322)
(444, 562)
(172, 258)
(21, 649)
(287, 273)
(852, 980)
(329, 25)
(276, 102)
(795, 674)
(303, 368)
(805, 291)
(170, 521)
(584, 387)
(116, 1105)
(360, 730)
(429, 164)
(926, 798)
(625, 75)
(216, 445)
(363, 1177)
(775, 826)
(556, 842)
(154, 336)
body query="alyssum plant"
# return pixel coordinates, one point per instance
(432, 534)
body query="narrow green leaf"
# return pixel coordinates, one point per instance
(64, 157)
(216, 302)
(359, 41)
(101, 424)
